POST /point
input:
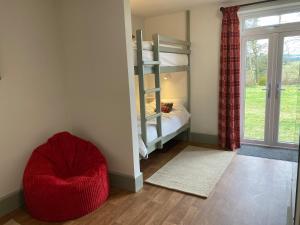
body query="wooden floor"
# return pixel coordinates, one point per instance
(252, 191)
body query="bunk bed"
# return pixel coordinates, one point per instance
(163, 55)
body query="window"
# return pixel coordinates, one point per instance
(263, 21)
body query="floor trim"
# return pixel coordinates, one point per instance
(204, 138)
(126, 182)
(11, 202)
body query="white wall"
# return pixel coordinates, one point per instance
(97, 45)
(32, 87)
(170, 24)
(137, 23)
(205, 38)
(65, 65)
(205, 60)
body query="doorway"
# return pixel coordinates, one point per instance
(270, 71)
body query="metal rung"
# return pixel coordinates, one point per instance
(153, 116)
(154, 141)
(151, 62)
(152, 90)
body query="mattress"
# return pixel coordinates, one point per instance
(166, 59)
(171, 122)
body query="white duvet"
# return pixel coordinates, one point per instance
(166, 59)
(171, 122)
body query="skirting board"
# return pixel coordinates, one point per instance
(126, 182)
(11, 202)
(204, 138)
(15, 200)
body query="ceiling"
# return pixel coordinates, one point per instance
(146, 8)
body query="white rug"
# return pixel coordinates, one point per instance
(11, 222)
(195, 171)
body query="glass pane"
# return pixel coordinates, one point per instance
(261, 21)
(272, 20)
(290, 18)
(288, 123)
(256, 83)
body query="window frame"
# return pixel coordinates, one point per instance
(273, 33)
(244, 15)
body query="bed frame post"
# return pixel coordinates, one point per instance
(188, 38)
(139, 43)
(156, 51)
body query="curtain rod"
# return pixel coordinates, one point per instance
(252, 3)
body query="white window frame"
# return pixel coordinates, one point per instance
(244, 15)
(269, 32)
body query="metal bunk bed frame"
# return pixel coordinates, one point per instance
(153, 67)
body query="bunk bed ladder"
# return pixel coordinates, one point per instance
(142, 92)
(155, 38)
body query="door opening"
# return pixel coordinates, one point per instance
(270, 72)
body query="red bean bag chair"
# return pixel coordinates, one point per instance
(64, 179)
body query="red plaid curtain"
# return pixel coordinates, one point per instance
(229, 86)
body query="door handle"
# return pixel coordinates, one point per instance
(268, 89)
